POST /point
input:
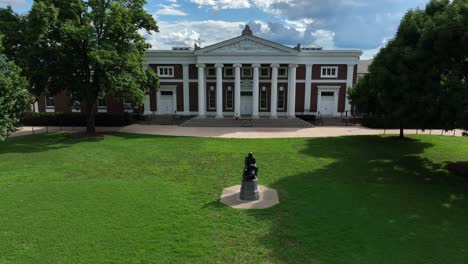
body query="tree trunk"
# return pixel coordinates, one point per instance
(402, 135)
(91, 122)
(90, 117)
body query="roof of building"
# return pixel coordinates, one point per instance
(363, 66)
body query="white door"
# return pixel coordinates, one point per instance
(246, 103)
(166, 101)
(327, 103)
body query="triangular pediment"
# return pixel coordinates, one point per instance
(247, 45)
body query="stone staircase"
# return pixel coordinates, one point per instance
(165, 120)
(246, 122)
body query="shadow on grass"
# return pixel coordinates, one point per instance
(377, 201)
(40, 143)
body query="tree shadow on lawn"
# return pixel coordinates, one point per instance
(375, 201)
(40, 143)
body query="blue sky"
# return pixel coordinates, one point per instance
(332, 24)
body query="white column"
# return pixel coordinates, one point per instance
(274, 91)
(349, 85)
(292, 90)
(201, 90)
(255, 89)
(219, 90)
(147, 108)
(237, 88)
(308, 87)
(185, 75)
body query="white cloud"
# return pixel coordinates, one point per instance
(13, 2)
(170, 10)
(271, 5)
(187, 33)
(370, 53)
(300, 25)
(324, 38)
(223, 4)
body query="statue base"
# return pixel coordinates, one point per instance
(249, 190)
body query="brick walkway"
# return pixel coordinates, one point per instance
(237, 132)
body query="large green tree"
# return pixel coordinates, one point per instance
(419, 78)
(87, 49)
(14, 95)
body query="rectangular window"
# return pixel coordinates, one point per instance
(102, 102)
(127, 105)
(210, 72)
(50, 103)
(212, 98)
(263, 99)
(330, 94)
(329, 72)
(229, 98)
(246, 93)
(246, 72)
(281, 97)
(165, 71)
(228, 72)
(264, 72)
(283, 72)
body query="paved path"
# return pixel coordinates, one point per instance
(237, 132)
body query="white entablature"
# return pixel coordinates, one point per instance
(246, 45)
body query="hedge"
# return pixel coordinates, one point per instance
(374, 121)
(74, 119)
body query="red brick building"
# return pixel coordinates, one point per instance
(243, 76)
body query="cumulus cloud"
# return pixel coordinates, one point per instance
(356, 24)
(187, 33)
(324, 38)
(170, 10)
(300, 25)
(223, 4)
(13, 2)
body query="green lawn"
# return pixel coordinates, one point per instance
(148, 199)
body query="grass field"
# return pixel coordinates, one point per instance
(147, 199)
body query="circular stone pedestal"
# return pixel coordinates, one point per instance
(267, 198)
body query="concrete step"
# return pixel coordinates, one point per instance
(245, 122)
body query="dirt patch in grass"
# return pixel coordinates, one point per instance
(458, 168)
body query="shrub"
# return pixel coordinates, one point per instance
(74, 119)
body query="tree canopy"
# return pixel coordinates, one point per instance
(14, 95)
(85, 48)
(420, 77)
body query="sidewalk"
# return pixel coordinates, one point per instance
(237, 132)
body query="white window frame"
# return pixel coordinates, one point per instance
(285, 72)
(102, 109)
(246, 68)
(281, 89)
(208, 69)
(127, 106)
(76, 106)
(264, 91)
(50, 98)
(229, 90)
(329, 75)
(211, 90)
(265, 68)
(225, 71)
(161, 71)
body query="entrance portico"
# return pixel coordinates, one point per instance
(252, 77)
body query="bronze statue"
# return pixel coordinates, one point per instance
(250, 168)
(249, 188)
